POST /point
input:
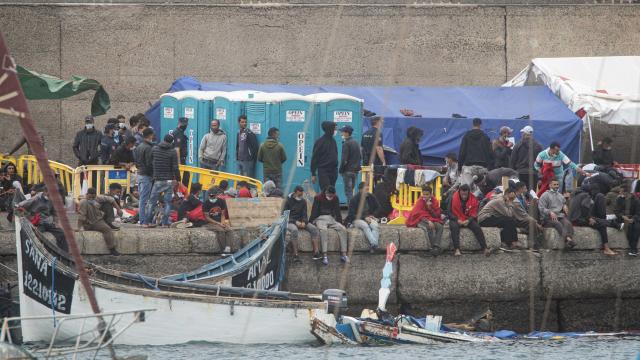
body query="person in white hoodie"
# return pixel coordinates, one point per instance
(213, 148)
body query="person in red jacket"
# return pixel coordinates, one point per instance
(426, 215)
(463, 212)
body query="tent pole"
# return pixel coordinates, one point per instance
(590, 132)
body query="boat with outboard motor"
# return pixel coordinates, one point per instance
(184, 312)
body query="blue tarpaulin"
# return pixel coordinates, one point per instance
(496, 106)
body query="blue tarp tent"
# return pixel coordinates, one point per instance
(496, 106)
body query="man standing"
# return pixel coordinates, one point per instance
(603, 156)
(350, 161)
(246, 149)
(86, 145)
(271, 154)
(372, 146)
(463, 212)
(144, 163)
(91, 218)
(213, 148)
(523, 157)
(475, 148)
(166, 175)
(426, 215)
(410, 148)
(123, 156)
(502, 147)
(180, 139)
(554, 212)
(298, 220)
(108, 144)
(362, 209)
(325, 213)
(324, 159)
(557, 160)
(628, 211)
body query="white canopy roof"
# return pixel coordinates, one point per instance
(606, 88)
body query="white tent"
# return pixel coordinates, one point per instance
(602, 88)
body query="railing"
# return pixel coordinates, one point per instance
(209, 178)
(27, 168)
(99, 177)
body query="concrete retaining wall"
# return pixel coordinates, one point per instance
(137, 50)
(571, 287)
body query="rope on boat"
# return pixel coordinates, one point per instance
(150, 285)
(53, 289)
(8, 268)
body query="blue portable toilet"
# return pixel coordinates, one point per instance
(195, 108)
(169, 111)
(293, 115)
(206, 101)
(227, 107)
(343, 110)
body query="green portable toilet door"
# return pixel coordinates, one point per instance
(168, 115)
(297, 135)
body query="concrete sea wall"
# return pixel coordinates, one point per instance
(554, 289)
(137, 50)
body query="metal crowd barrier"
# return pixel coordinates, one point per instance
(407, 197)
(27, 167)
(209, 178)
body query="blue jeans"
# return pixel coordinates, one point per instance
(349, 179)
(145, 184)
(371, 231)
(161, 186)
(247, 168)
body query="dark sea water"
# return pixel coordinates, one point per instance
(625, 348)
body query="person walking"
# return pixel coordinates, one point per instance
(213, 148)
(324, 159)
(271, 154)
(426, 215)
(350, 161)
(246, 149)
(181, 141)
(325, 214)
(86, 144)
(475, 148)
(166, 175)
(298, 220)
(144, 163)
(410, 148)
(362, 210)
(523, 157)
(91, 218)
(463, 213)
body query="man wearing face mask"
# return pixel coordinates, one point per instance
(324, 159)
(350, 161)
(86, 145)
(213, 148)
(92, 218)
(180, 141)
(554, 211)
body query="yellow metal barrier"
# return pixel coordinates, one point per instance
(27, 167)
(209, 178)
(4, 160)
(367, 177)
(99, 177)
(407, 197)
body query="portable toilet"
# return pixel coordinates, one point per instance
(195, 108)
(343, 110)
(206, 100)
(169, 111)
(293, 115)
(227, 107)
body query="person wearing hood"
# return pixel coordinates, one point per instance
(410, 147)
(269, 189)
(325, 214)
(213, 148)
(166, 175)
(523, 157)
(271, 154)
(362, 210)
(603, 156)
(350, 161)
(502, 147)
(584, 211)
(475, 148)
(324, 159)
(427, 215)
(181, 141)
(246, 148)
(298, 220)
(86, 145)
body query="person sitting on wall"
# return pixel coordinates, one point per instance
(243, 190)
(526, 216)
(499, 212)
(463, 213)
(628, 212)
(298, 220)
(554, 210)
(214, 210)
(426, 215)
(269, 189)
(110, 203)
(325, 214)
(585, 211)
(191, 207)
(43, 214)
(362, 209)
(92, 218)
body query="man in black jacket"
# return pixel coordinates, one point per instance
(324, 159)
(166, 175)
(298, 220)
(524, 156)
(180, 139)
(362, 210)
(628, 211)
(87, 143)
(143, 156)
(123, 156)
(246, 149)
(350, 161)
(108, 144)
(410, 147)
(475, 148)
(325, 213)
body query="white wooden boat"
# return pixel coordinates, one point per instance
(184, 312)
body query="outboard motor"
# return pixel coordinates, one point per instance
(336, 300)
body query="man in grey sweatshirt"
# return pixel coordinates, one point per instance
(213, 148)
(553, 210)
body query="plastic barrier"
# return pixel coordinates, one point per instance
(209, 178)
(27, 167)
(99, 177)
(629, 171)
(407, 197)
